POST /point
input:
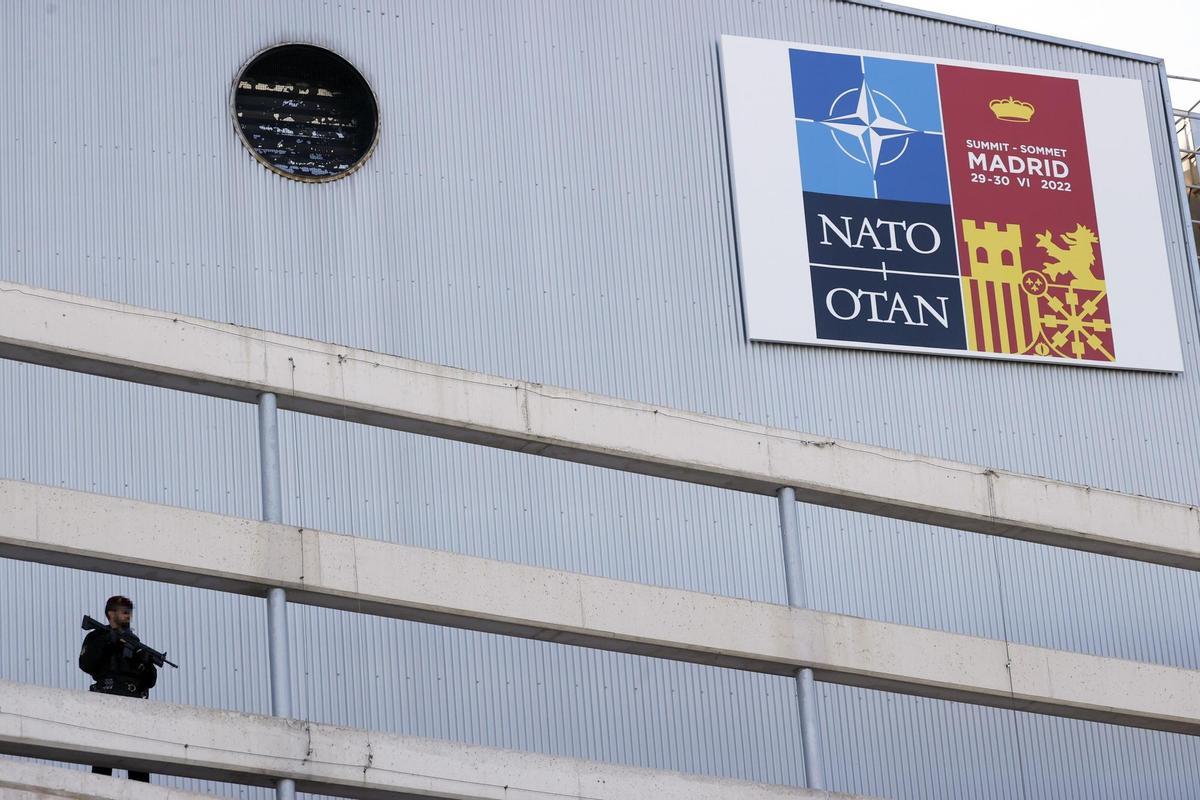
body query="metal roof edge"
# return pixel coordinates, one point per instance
(988, 26)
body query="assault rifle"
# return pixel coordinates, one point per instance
(132, 644)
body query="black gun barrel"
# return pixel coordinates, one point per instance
(135, 644)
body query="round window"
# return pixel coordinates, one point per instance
(305, 112)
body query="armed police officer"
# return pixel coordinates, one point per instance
(116, 662)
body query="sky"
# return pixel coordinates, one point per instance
(1161, 28)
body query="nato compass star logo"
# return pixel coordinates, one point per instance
(868, 126)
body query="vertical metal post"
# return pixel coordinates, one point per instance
(277, 633)
(790, 530)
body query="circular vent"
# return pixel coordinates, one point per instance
(305, 112)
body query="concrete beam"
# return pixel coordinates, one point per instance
(196, 742)
(154, 347)
(77, 529)
(25, 781)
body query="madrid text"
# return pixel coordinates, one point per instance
(1023, 166)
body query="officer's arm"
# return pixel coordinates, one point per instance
(94, 651)
(149, 676)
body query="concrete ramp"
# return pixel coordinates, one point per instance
(245, 748)
(20, 781)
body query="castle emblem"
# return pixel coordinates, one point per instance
(1001, 316)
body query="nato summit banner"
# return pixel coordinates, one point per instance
(892, 202)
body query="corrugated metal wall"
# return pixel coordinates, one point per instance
(549, 200)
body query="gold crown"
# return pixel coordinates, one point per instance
(1011, 110)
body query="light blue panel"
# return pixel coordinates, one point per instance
(828, 168)
(912, 86)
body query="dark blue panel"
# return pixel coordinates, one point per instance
(918, 174)
(856, 305)
(880, 232)
(818, 78)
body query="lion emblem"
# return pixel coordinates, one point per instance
(1077, 259)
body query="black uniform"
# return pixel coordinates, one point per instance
(117, 670)
(114, 667)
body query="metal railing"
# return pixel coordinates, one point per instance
(1187, 136)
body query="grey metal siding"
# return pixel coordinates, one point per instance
(549, 200)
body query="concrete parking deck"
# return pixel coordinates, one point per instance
(127, 537)
(25, 781)
(251, 749)
(164, 349)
